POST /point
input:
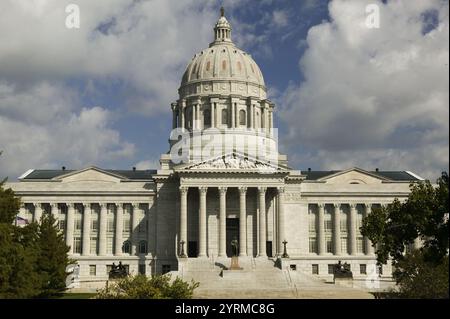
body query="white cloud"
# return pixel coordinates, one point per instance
(147, 164)
(373, 97)
(39, 128)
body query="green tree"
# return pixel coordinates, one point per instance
(142, 287)
(423, 215)
(53, 259)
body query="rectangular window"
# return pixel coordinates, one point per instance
(94, 224)
(330, 269)
(344, 223)
(93, 245)
(126, 225)
(108, 269)
(359, 245)
(142, 225)
(363, 269)
(312, 245)
(142, 269)
(344, 245)
(312, 222)
(92, 270)
(109, 245)
(62, 225)
(329, 243)
(110, 224)
(77, 245)
(315, 269)
(78, 223)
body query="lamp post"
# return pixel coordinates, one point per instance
(285, 254)
(182, 254)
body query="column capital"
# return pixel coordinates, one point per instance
(54, 205)
(103, 205)
(368, 205)
(280, 189)
(70, 205)
(262, 190)
(184, 189)
(37, 205)
(135, 205)
(321, 205)
(242, 190)
(223, 189)
(352, 205)
(22, 205)
(337, 205)
(203, 189)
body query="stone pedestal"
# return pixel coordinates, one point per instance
(344, 282)
(235, 263)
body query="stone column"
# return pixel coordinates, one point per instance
(367, 242)
(337, 229)
(199, 116)
(37, 212)
(182, 113)
(102, 230)
(281, 235)
(174, 115)
(271, 122)
(86, 240)
(22, 212)
(232, 114)
(352, 230)
(150, 233)
(134, 230)
(222, 222)
(70, 226)
(194, 118)
(242, 221)
(119, 230)
(321, 230)
(183, 217)
(213, 112)
(202, 222)
(262, 221)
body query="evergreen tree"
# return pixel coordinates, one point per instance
(53, 259)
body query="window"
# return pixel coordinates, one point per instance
(94, 224)
(360, 245)
(77, 245)
(343, 223)
(224, 116)
(93, 245)
(328, 222)
(108, 268)
(242, 119)
(142, 247)
(142, 225)
(313, 245)
(330, 269)
(207, 118)
(92, 270)
(312, 222)
(141, 269)
(363, 269)
(315, 269)
(109, 245)
(126, 248)
(329, 244)
(344, 246)
(126, 225)
(110, 223)
(165, 269)
(78, 223)
(62, 225)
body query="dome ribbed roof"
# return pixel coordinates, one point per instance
(223, 61)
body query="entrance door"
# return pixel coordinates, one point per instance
(232, 233)
(192, 249)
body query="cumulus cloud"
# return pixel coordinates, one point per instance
(38, 129)
(373, 97)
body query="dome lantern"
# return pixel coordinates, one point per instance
(222, 30)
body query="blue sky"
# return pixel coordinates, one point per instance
(346, 95)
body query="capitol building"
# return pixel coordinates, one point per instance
(222, 179)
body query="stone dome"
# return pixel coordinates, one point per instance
(222, 69)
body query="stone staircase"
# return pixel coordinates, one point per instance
(259, 278)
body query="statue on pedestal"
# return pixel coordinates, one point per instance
(118, 271)
(235, 252)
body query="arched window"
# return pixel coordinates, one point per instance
(207, 118)
(224, 116)
(242, 117)
(142, 247)
(126, 247)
